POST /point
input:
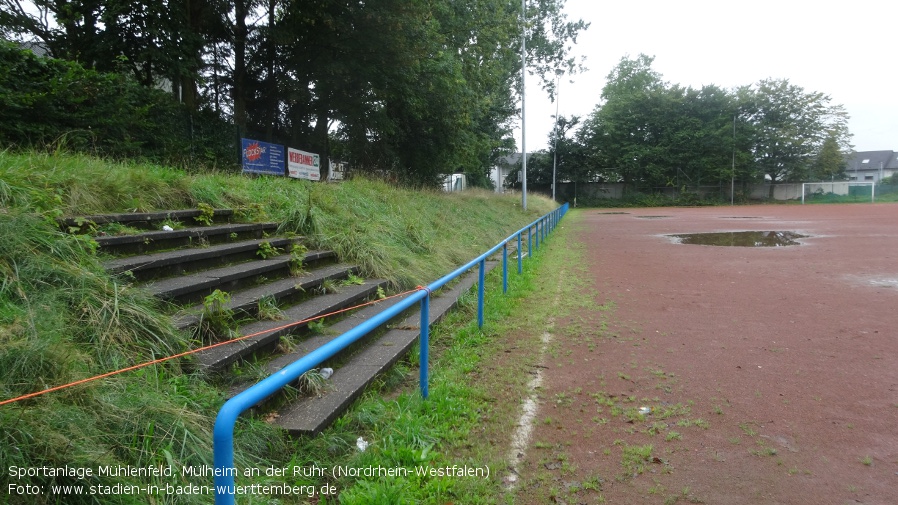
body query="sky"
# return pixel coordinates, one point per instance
(846, 51)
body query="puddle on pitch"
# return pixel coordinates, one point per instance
(652, 217)
(742, 238)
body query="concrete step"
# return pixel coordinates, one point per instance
(313, 342)
(146, 220)
(269, 332)
(331, 332)
(147, 267)
(310, 415)
(194, 287)
(140, 243)
(282, 290)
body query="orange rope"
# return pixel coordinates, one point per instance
(193, 351)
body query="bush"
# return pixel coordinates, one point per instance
(47, 103)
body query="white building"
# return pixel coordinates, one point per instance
(871, 166)
(506, 165)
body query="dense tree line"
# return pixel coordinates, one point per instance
(648, 133)
(416, 88)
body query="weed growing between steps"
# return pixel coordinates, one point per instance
(217, 323)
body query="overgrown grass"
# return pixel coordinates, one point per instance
(407, 236)
(63, 318)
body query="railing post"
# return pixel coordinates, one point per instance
(505, 267)
(520, 263)
(480, 293)
(537, 234)
(424, 344)
(223, 457)
(530, 241)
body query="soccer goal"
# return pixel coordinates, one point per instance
(838, 191)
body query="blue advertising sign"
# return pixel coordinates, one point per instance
(262, 158)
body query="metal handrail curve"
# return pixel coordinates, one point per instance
(223, 432)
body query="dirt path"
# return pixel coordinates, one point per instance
(725, 375)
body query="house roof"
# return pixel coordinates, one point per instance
(872, 160)
(37, 47)
(512, 160)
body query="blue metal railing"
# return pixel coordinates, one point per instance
(223, 433)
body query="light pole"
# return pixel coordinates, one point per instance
(555, 147)
(733, 174)
(523, 115)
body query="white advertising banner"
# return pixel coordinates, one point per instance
(303, 165)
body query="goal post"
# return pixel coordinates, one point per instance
(837, 191)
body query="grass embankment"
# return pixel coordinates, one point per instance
(63, 318)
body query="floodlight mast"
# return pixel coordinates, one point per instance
(523, 115)
(733, 173)
(555, 147)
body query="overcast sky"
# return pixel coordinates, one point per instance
(845, 50)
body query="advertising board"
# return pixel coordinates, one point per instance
(262, 158)
(303, 165)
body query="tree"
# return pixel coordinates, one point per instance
(147, 38)
(549, 36)
(698, 143)
(648, 133)
(567, 153)
(68, 29)
(830, 163)
(417, 88)
(564, 157)
(788, 127)
(623, 133)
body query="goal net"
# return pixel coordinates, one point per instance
(838, 191)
